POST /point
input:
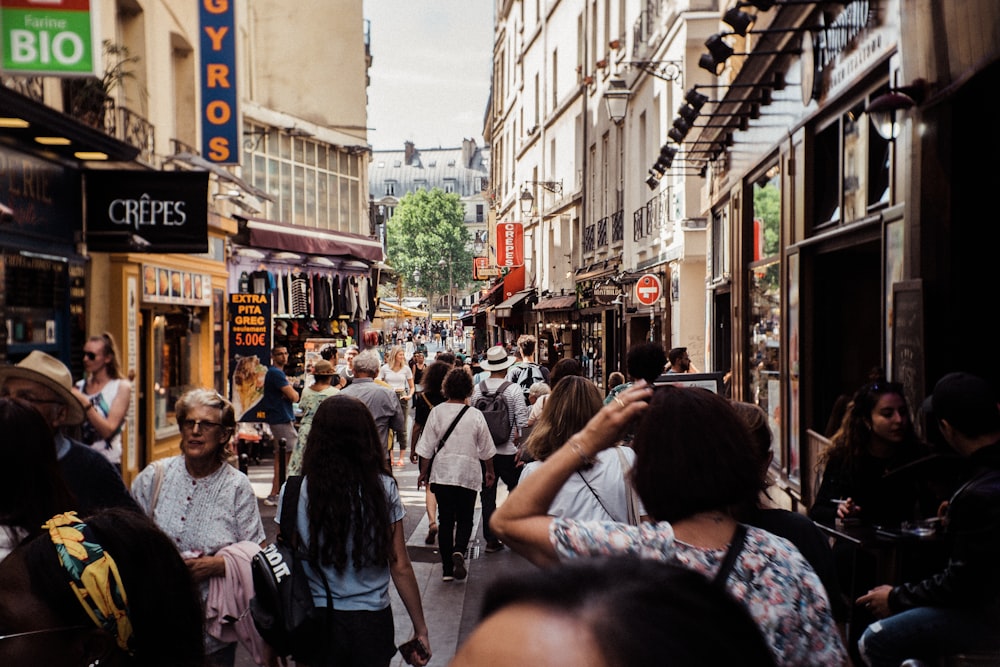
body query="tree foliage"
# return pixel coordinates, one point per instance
(426, 227)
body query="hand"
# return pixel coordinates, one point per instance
(876, 601)
(605, 428)
(489, 479)
(847, 509)
(413, 457)
(206, 567)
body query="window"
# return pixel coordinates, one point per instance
(764, 336)
(480, 217)
(390, 188)
(420, 184)
(307, 177)
(175, 355)
(449, 185)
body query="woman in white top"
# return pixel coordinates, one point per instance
(397, 374)
(600, 493)
(104, 395)
(456, 476)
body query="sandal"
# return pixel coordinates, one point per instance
(431, 534)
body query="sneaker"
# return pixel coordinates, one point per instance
(271, 501)
(447, 577)
(458, 561)
(492, 546)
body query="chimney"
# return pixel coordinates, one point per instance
(468, 152)
(409, 151)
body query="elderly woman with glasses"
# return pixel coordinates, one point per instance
(200, 501)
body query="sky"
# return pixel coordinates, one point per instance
(430, 73)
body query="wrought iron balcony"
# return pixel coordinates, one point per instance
(639, 223)
(618, 226)
(602, 232)
(31, 87)
(588, 238)
(86, 101)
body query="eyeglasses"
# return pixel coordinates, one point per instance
(89, 356)
(203, 425)
(44, 631)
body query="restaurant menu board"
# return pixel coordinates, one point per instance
(250, 352)
(163, 285)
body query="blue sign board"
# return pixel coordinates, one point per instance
(219, 117)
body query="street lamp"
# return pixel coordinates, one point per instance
(442, 263)
(616, 98)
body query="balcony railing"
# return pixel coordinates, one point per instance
(588, 238)
(86, 102)
(602, 233)
(31, 87)
(639, 223)
(618, 226)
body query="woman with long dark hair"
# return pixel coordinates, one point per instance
(875, 438)
(350, 517)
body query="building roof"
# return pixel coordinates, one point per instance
(467, 168)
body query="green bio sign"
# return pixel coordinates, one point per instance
(48, 37)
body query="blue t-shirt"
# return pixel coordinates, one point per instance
(274, 403)
(366, 589)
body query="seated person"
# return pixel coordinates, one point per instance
(956, 610)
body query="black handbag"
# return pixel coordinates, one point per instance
(444, 439)
(282, 607)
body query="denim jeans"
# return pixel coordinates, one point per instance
(504, 469)
(927, 633)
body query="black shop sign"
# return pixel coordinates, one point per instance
(147, 211)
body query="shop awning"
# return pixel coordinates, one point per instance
(556, 303)
(281, 236)
(490, 296)
(516, 302)
(42, 120)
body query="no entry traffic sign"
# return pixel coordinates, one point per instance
(648, 289)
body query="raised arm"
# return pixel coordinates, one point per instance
(523, 521)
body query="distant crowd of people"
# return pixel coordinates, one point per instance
(645, 509)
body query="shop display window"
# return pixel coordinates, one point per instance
(175, 363)
(764, 335)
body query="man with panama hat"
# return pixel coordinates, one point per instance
(46, 383)
(496, 362)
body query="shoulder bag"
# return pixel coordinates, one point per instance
(735, 547)
(282, 607)
(444, 439)
(632, 504)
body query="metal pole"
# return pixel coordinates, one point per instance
(282, 447)
(451, 321)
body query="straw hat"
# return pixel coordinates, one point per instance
(49, 371)
(323, 367)
(496, 359)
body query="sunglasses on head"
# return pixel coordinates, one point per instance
(885, 387)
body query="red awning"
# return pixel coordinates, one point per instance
(312, 241)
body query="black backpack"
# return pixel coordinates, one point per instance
(282, 607)
(527, 375)
(496, 411)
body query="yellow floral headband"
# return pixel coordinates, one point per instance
(93, 576)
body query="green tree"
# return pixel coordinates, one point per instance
(428, 226)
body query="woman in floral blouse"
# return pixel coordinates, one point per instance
(696, 477)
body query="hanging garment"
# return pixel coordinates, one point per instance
(300, 295)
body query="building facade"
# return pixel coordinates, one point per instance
(298, 159)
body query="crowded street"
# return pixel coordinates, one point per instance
(369, 333)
